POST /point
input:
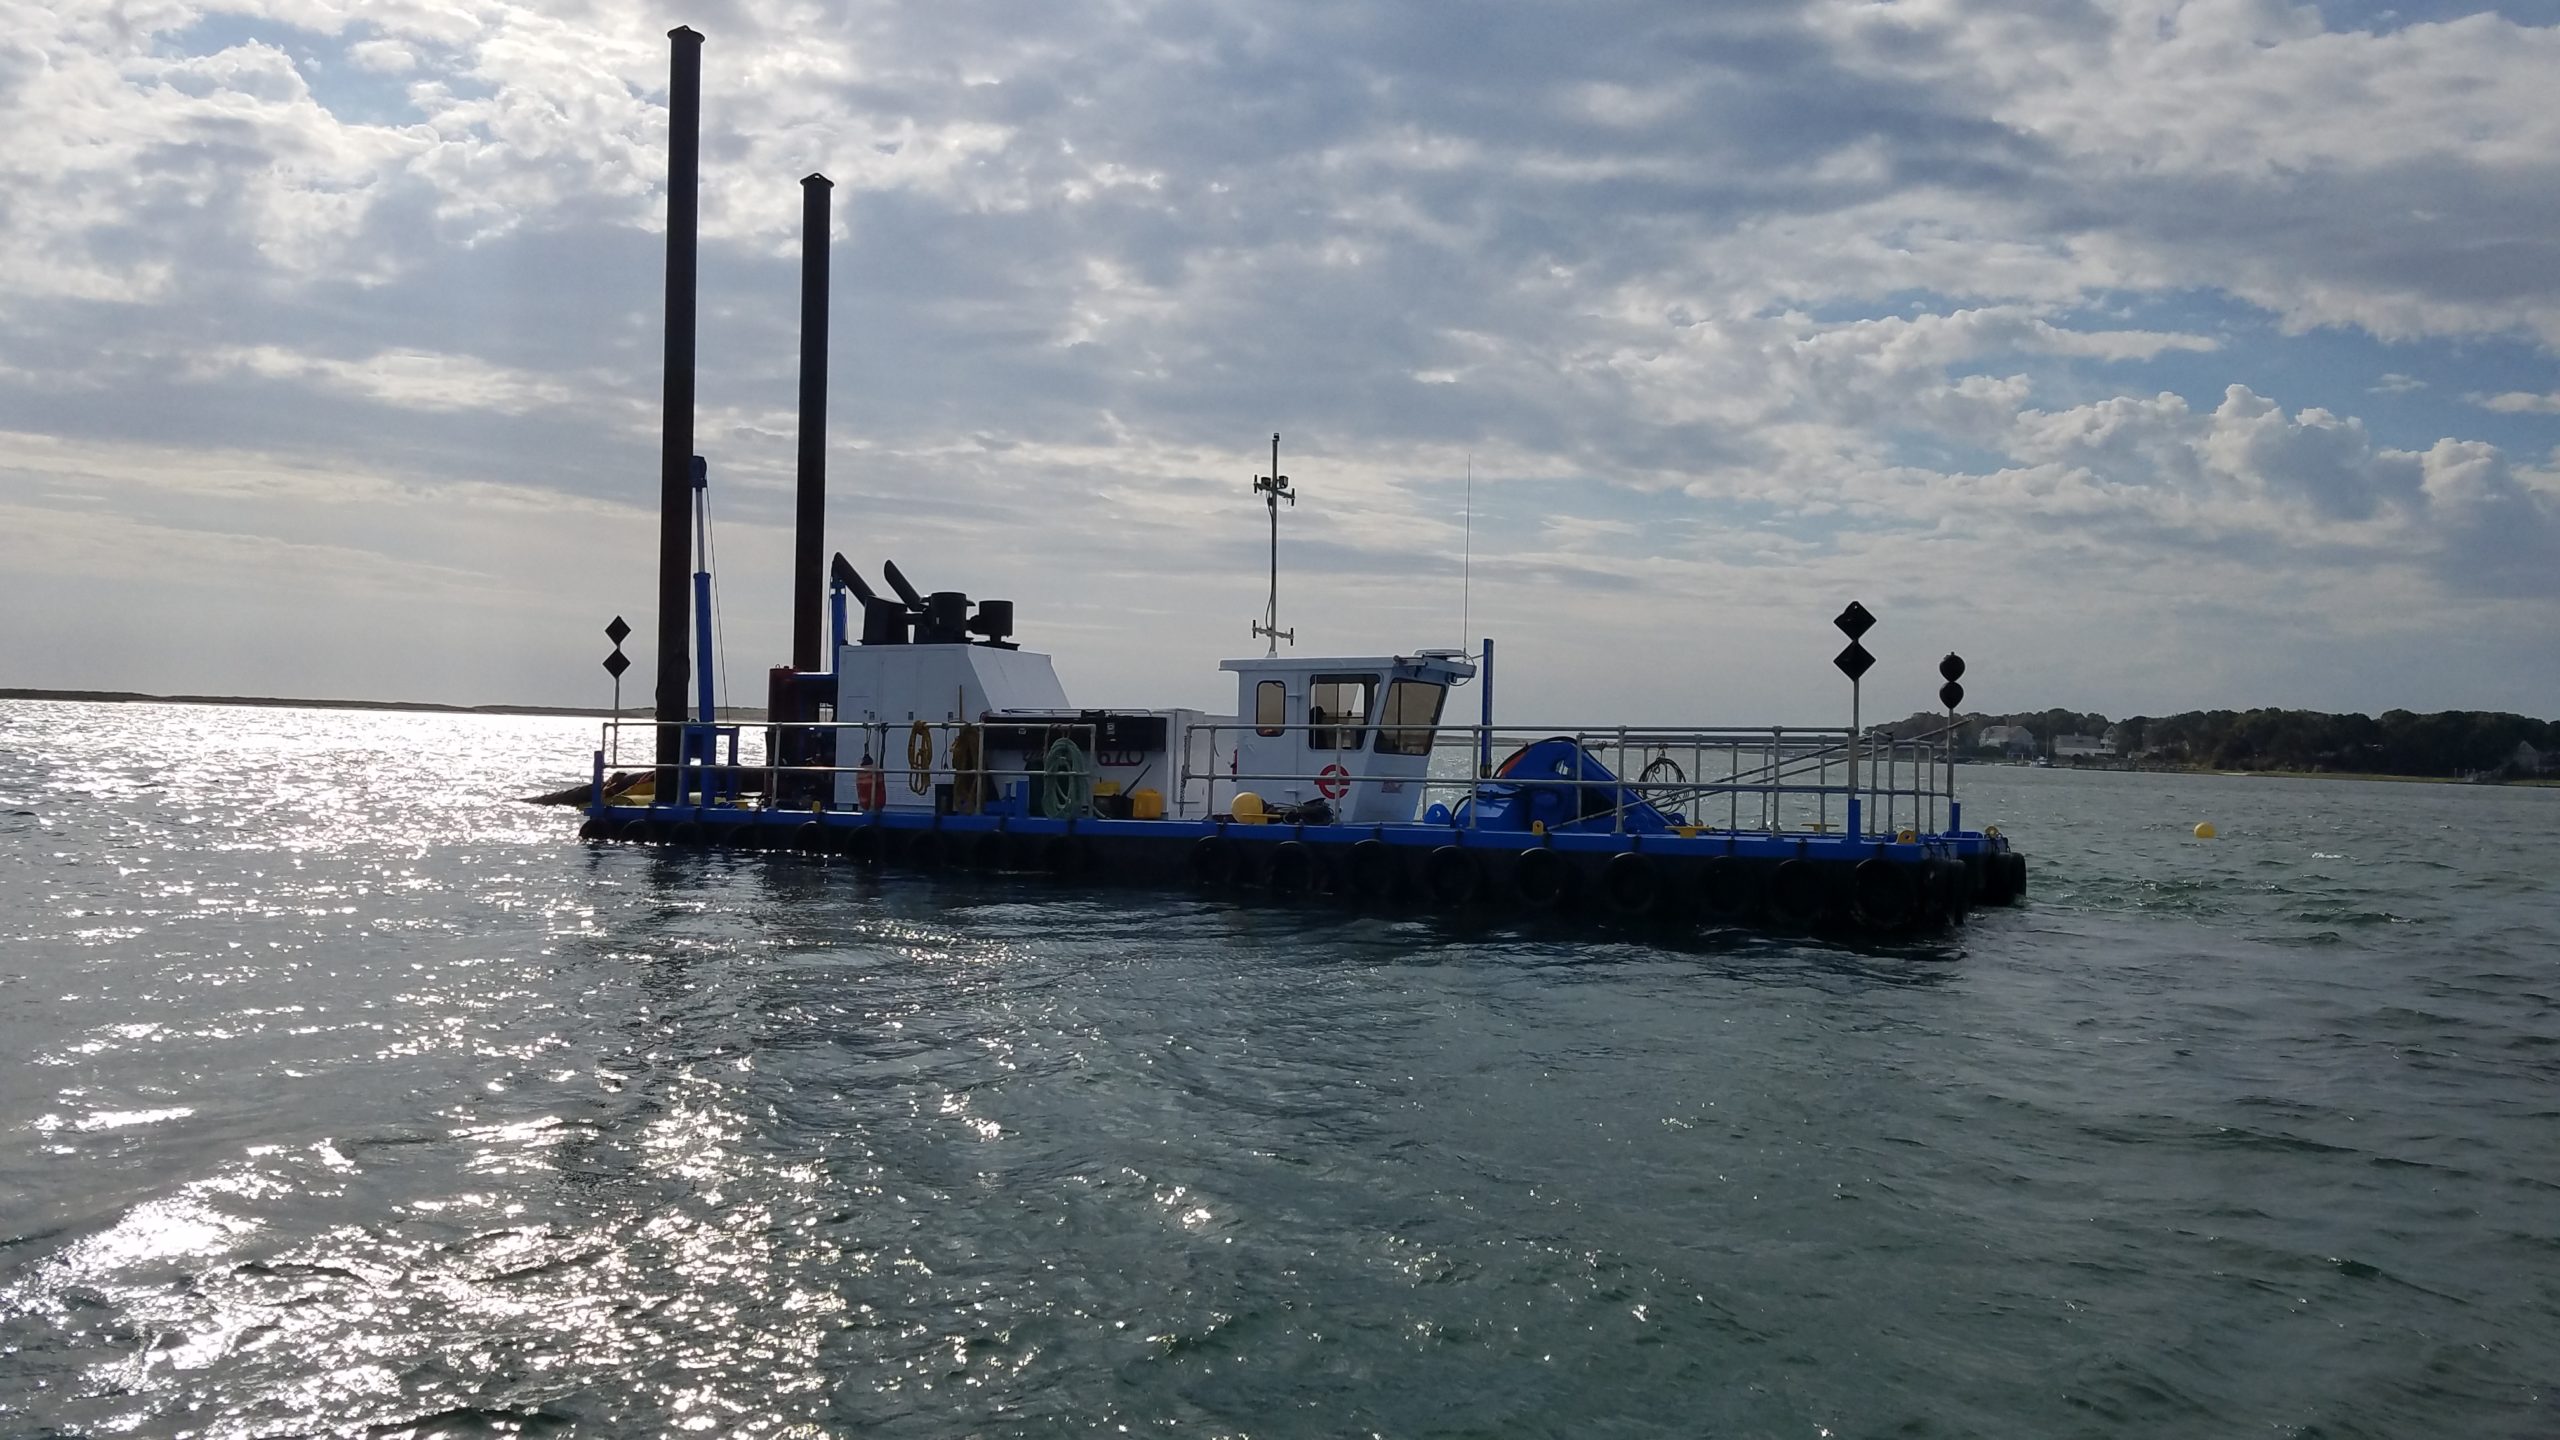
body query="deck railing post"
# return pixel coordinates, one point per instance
(1618, 812)
(1853, 758)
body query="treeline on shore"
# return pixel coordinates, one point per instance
(2447, 743)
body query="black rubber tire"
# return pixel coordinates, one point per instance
(1292, 868)
(1631, 885)
(1451, 876)
(1884, 896)
(923, 851)
(1798, 898)
(1541, 879)
(596, 828)
(1213, 862)
(1999, 882)
(1728, 889)
(809, 838)
(862, 845)
(1952, 890)
(1371, 870)
(685, 834)
(989, 852)
(2017, 875)
(1066, 857)
(638, 832)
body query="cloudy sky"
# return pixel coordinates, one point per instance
(2153, 354)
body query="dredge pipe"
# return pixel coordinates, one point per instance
(675, 456)
(808, 564)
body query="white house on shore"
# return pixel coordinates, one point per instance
(2014, 742)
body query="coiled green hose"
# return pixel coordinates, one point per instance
(1067, 787)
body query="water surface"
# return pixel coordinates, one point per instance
(339, 1093)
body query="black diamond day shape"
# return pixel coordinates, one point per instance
(1951, 694)
(617, 632)
(1854, 661)
(616, 663)
(1855, 622)
(1952, 667)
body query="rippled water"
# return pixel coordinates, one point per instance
(340, 1093)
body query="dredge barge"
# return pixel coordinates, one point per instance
(925, 738)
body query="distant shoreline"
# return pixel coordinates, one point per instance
(2169, 769)
(277, 702)
(2529, 780)
(756, 716)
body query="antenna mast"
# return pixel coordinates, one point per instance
(1274, 488)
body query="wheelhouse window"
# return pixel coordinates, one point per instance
(1338, 711)
(1270, 707)
(1411, 715)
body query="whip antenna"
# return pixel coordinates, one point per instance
(1274, 488)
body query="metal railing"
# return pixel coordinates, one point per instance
(752, 777)
(1750, 780)
(1771, 780)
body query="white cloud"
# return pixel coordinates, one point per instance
(1735, 309)
(2519, 402)
(384, 57)
(410, 379)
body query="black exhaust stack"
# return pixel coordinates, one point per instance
(808, 568)
(675, 457)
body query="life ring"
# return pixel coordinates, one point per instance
(1333, 782)
(1066, 856)
(1541, 878)
(863, 846)
(1882, 894)
(1291, 870)
(919, 757)
(637, 832)
(1370, 870)
(868, 791)
(1450, 874)
(1213, 862)
(1629, 884)
(1796, 897)
(1727, 890)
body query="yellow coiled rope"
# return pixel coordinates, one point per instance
(968, 780)
(920, 757)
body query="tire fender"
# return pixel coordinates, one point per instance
(1630, 885)
(1796, 897)
(1213, 862)
(1727, 889)
(1291, 870)
(1884, 895)
(1452, 877)
(1370, 870)
(1541, 878)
